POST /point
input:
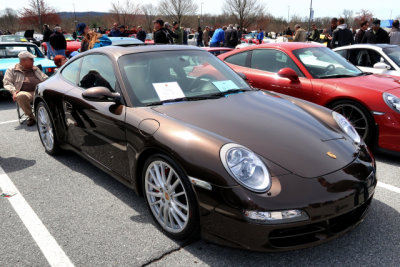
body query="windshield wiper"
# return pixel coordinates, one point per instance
(338, 76)
(196, 98)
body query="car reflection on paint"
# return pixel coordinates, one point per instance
(212, 156)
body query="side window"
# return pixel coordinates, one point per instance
(97, 70)
(364, 58)
(272, 61)
(353, 55)
(376, 57)
(70, 72)
(238, 59)
(343, 53)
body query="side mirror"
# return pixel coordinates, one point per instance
(381, 66)
(242, 75)
(101, 94)
(289, 74)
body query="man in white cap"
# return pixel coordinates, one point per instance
(21, 81)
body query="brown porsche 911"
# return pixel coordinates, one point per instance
(212, 156)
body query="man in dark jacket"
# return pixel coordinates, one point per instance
(342, 36)
(46, 38)
(361, 32)
(329, 32)
(231, 37)
(376, 35)
(58, 42)
(122, 31)
(141, 35)
(162, 35)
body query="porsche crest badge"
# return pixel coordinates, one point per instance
(330, 154)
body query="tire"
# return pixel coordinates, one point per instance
(45, 126)
(175, 210)
(358, 116)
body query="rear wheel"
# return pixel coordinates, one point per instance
(358, 116)
(46, 129)
(170, 198)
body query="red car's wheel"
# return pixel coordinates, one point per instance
(358, 116)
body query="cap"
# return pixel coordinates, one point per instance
(174, 23)
(25, 54)
(80, 28)
(159, 21)
(376, 22)
(121, 26)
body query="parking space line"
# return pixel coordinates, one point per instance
(46, 242)
(389, 187)
(5, 122)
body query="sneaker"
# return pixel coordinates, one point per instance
(31, 122)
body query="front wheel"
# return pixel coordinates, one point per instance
(46, 129)
(170, 198)
(358, 116)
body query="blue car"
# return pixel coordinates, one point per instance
(9, 57)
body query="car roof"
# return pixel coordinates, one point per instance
(117, 51)
(355, 46)
(284, 45)
(17, 43)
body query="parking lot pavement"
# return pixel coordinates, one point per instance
(98, 221)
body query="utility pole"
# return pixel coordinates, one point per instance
(75, 21)
(311, 17)
(201, 13)
(40, 17)
(288, 12)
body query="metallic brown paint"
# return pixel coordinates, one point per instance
(291, 136)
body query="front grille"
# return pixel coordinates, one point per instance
(297, 236)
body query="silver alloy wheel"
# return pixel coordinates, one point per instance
(45, 128)
(166, 196)
(356, 117)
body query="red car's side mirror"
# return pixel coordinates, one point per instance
(289, 74)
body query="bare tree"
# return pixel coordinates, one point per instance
(37, 13)
(176, 10)
(125, 13)
(9, 20)
(245, 12)
(348, 17)
(149, 11)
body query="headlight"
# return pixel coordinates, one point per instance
(346, 126)
(392, 101)
(246, 167)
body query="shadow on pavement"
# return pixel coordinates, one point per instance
(14, 164)
(7, 104)
(388, 159)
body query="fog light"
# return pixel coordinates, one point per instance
(274, 217)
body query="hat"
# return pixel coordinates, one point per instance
(159, 21)
(174, 23)
(25, 54)
(80, 28)
(297, 26)
(121, 26)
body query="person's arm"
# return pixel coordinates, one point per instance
(334, 39)
(296, 36)
(387, 38)
(9, 84)
(174, 35)
(364, 40)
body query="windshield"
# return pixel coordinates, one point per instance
(393, 53)
(12, 51)
(13, 38)
(68, 37)
(167, 75)
(149, 36)
(322, 63)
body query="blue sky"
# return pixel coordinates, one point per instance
(381, 9)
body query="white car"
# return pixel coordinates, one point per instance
(375, 58)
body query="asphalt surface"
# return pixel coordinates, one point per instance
(99, 222)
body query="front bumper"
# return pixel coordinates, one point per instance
(335, 204)
(388, 133)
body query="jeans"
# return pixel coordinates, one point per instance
(50, 51)
(200, 44)
(59, 52)
(214, 45)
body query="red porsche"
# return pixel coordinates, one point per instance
(317, 74)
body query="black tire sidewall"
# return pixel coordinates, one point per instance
(192, 228)
(55, 149)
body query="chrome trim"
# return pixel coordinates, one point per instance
(200, 183)
(378, 113)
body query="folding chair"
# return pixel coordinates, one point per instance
(22, 117)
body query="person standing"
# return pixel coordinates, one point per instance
(231, 37)
(206, 36)
(260, 36)
(300, 34)
(179, 33)
(288, 31)
(21, 81)
(161, 34)
(114, 32)
(218, 38)
(199, 37)
(329, 32)
(141, 35)
(185, 37)
(46, 38)
(395, 33)
(361, 32)
(342, 36)
(315, 36)
(58, 42)
(122, 31)
(376, 35)
(239, 33)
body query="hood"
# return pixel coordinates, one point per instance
(6, 63)
(342, 26)
(272, 127)
(375, 82)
